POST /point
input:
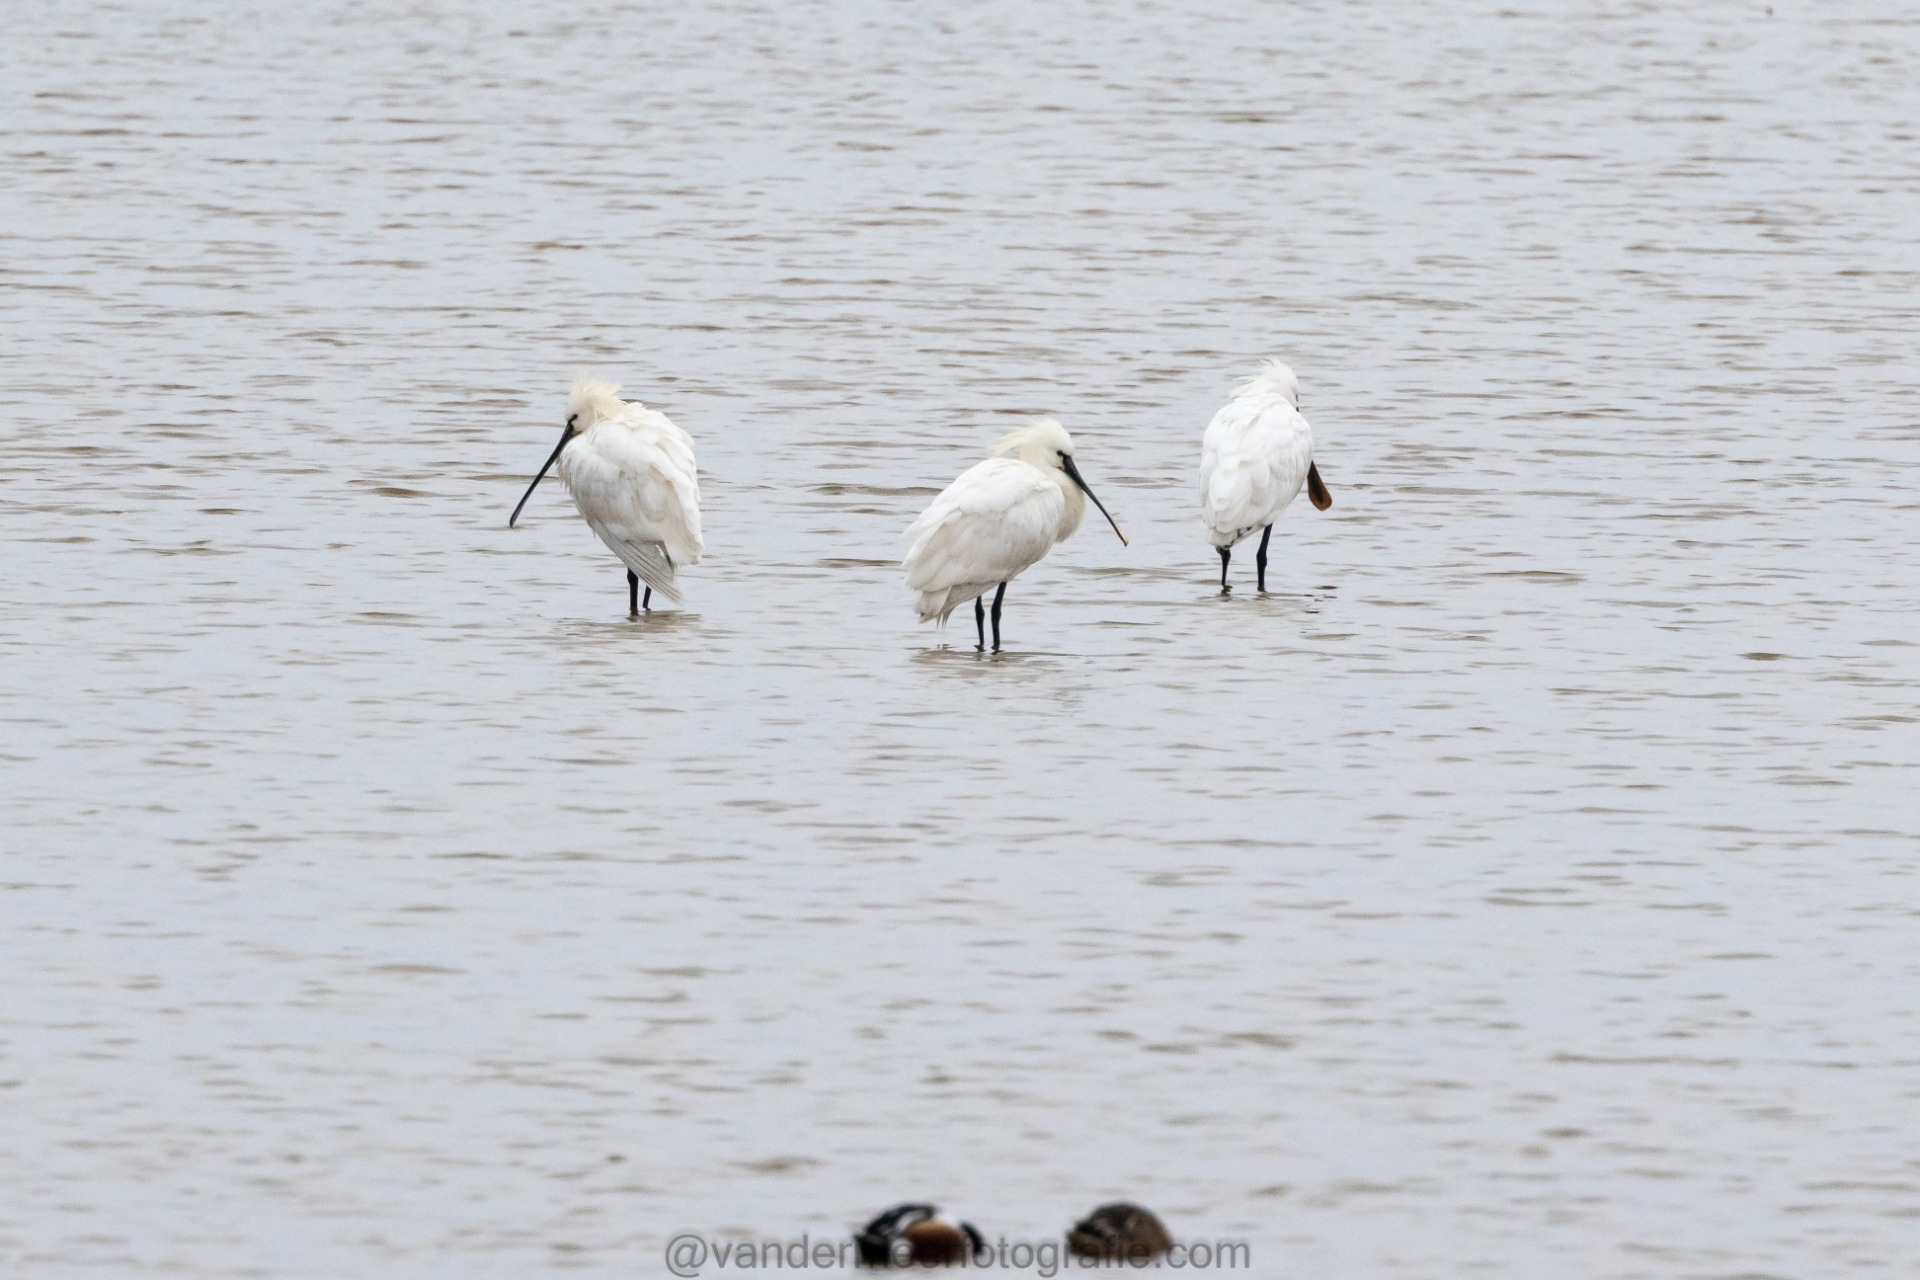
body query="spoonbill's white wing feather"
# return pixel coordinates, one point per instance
(675, 449)
(648, 560)
(650, 439)
(998, 519)
(1253, 461)
(634, 479)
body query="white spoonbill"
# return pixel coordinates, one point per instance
(631, 473)
(1257, 453)
(999, 518)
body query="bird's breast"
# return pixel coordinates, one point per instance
(1074, 508)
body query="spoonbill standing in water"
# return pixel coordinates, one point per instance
(998, 519)
(1257, 453)
(632, 474)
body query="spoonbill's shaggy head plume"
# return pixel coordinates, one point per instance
(592, 399)
(1044, 443)
(1038, 444)
(1275, 376)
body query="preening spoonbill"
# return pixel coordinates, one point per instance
(631, 473)
(919, 1235)
(999, 518)
(1257, 453)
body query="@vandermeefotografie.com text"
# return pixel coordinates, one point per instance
(691, 1254)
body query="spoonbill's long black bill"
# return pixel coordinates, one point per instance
(1073, 474)
(566, 434)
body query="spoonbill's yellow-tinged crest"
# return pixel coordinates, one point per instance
(1257, 454)
(998, 519)
(631, 473)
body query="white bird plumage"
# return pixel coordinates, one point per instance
(998, 519)
(632, 475)
(1255, 458)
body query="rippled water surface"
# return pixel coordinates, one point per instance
(1523, 888)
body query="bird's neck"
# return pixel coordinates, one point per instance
(1076, 505)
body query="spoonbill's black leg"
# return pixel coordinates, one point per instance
(1226, 553)
(633, 594)
(998, 596)
(646, 601)
(980, 620)
(1260, 560)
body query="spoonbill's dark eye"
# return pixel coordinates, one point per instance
(1062, 453)
(572, 418)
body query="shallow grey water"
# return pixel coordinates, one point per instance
(1523, 888)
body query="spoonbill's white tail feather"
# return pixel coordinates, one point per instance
(939, 605)
(1317, 488)
(648, 560)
